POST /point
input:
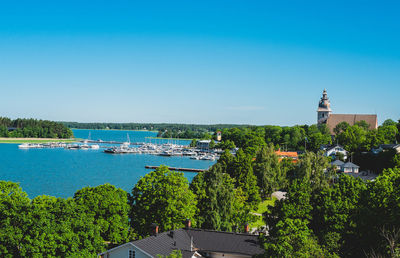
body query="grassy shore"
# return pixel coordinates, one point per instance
(34, 140)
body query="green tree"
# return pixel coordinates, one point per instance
(45, 226)
(14, 222)
(315, 168)
(162, 197)
(61, 228)
(242, 172)
(379, 209)
(226, 145)
(269, 173)
(364, 125)
(341, 127)
(220, 205)
(110, 209)
(354, 139)
(173, 254)
(317, 136)
(193, 143)
(389, 122)
(292, 238)
(333, 214)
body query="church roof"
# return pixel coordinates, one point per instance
(351, 119)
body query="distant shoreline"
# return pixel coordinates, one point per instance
(114, 130)
(185, 139)
(34, 140)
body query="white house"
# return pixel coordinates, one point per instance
(350, 168)
(333, 151)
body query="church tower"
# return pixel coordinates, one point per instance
(324, 108)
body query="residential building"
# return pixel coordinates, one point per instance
(287, 154)
(332, 151)
(192, 243)
(347, 167)
(338, 165)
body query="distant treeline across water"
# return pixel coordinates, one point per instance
(33, 128)
(187, 131)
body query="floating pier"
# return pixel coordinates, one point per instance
(195, 170)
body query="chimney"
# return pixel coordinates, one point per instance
(188, 223)
(154, 229)
(246, 228)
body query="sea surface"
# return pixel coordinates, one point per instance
(61, 172)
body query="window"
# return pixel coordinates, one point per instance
(131, 254)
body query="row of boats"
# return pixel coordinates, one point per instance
(53, 145)
(167, 150)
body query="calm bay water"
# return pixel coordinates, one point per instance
(61, 172)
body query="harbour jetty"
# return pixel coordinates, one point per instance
(195, 170)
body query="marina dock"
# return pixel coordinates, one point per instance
(195, 170)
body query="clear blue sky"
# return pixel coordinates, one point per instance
(257, 62)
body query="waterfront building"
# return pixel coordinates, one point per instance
(325, 116)
(203, 145)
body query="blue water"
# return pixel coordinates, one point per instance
(61, 172)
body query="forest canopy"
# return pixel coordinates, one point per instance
(33, 128)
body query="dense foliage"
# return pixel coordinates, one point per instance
(45, 226)
(33, 128)
(348, 218)
(221, 206)
(162, 197)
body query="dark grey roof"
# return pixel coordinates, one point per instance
(337, 162)
(350, 165)
(164, 243)
(203, 240)
(225, 242)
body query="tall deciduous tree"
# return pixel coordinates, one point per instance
(110, 209)
(14, 222)
(333, 213)
(220, 205)
(315, 168)
(379, 209)
(270, 175)
(242, 171)
(162, 197)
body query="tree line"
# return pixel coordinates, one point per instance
(33, 128)
(165, 130)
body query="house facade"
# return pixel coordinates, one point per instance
(333, 151)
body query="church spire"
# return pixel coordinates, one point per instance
(324, 108)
